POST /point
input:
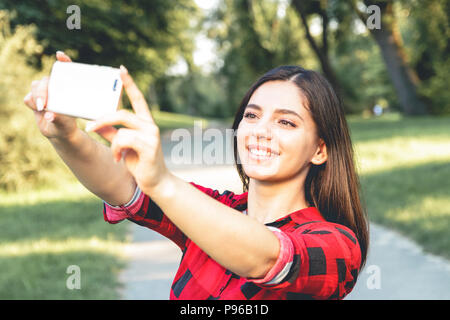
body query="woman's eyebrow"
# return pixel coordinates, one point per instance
(282, 111)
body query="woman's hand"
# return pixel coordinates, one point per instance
(50, 124)
(139, 142)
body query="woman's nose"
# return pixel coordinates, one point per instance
(263, 130)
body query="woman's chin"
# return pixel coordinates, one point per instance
(261, 168)
(259, 172)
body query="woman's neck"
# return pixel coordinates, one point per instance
(269, 201)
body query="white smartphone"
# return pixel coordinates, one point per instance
(82, 90)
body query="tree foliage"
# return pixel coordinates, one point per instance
(254, 37)
(426, 29)
(26, 159)
(366, 70)
(146, 36)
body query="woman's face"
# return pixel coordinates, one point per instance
(276, 137)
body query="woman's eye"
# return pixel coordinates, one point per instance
(249, 115)
(287, 123)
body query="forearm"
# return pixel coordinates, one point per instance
(236, 241)
(92, 163)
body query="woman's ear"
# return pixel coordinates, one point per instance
(321, 155)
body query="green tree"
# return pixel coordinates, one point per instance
(195, 94)
(389, 40)
(146, 36)
(254, 37)
(26, 159)
(426, 31)
(362, 72)
(322, 50)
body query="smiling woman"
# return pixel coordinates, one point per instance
(298, 231)
(294, 156)
(313, 140)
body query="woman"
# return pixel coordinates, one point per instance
(297, 232)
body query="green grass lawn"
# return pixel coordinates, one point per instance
(405, 174)
(45, 232)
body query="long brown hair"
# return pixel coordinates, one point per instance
(332, 187)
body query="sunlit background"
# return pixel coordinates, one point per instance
(194, 60)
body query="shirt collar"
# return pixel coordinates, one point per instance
(299, 216)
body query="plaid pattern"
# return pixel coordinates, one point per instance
(317, 260)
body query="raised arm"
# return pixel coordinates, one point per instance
(237, 242)
(90, 161)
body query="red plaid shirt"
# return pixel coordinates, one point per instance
(317, 259)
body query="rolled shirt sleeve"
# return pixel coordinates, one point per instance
(320, 262)
(114, 214)
(284, 261)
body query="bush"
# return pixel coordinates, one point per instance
(435, 90)
(26, 157)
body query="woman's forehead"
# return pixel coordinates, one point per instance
(278, 95)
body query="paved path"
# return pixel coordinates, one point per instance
(403, 270)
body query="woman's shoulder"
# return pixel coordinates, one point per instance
(320, 226)
(227, 197)
(307, 226)
(310, 220)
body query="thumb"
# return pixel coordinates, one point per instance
(107, 132)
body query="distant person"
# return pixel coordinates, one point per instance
(377, 110)
(298, 231)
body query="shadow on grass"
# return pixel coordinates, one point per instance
(413, 200)
(56, 220)
(38, 242)
(44, 276)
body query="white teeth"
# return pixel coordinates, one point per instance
(260, 153)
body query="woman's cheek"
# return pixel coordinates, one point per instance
(293, 154)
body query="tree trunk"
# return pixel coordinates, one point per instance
(321, 52)
(391, 47)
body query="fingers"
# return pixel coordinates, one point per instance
(121, 117)
(37, 98)
(29, 101)
(136, 97)
(49, 116)
(39, 93)
(123, 140)
(61, 56)
(107, 132)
